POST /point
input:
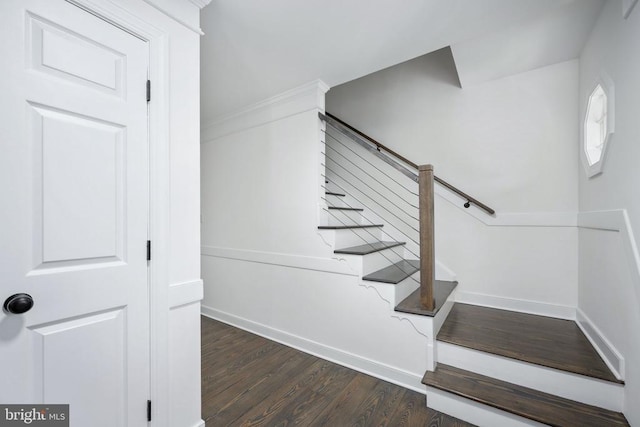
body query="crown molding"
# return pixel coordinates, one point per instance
(297, 100)
(200, 3)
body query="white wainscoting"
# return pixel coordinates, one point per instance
(603, 346)
(354, 361)
(616, 220)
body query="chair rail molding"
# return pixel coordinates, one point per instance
(329, 265)
(616, 221)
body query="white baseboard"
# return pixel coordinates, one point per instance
(603, 346)
(520, 305)
(199, 424)
(350, 360)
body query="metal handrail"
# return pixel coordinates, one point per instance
(377, 148)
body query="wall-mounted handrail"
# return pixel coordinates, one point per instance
(378, 145)
(357, 135)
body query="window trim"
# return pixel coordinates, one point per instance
(608, 88)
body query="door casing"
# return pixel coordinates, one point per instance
(159, 186)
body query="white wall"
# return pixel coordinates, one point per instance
(260, 188)
(510, 144)
(609, 290)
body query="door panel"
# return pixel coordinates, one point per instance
(74, 217)
(93, 352)
(80, 200)
(54, 49)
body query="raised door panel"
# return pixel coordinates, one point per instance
(78, 192)
(63, 53)
(81, 362)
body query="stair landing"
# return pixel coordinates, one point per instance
(545, 341)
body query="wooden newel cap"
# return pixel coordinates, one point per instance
(425, 168)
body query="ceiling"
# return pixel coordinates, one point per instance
(254, 49)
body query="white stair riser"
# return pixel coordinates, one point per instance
(444, 311)
(357, 236)
(340, 217)
(381, 259)
(406, 287)
(474, 412)
(580, 388)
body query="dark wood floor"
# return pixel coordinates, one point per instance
(545, 341)
(250, 381)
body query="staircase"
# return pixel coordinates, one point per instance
(503, 368)
(385, 265)
(383, 261)
(486, 366)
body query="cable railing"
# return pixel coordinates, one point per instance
(371, 235)
(342, 165)
(373, 145)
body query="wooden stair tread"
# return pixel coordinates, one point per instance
(441, 291)
(341, 208)
(395, 273)
(525, 402)
(545, 341)
(368, 248)
(331, 193)
(346, 227)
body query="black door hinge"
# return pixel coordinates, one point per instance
(148, 410)
(148, 90)
(148, 250)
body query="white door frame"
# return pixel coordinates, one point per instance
(159, 186)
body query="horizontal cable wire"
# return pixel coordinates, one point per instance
(371, 164)
(372, 210)
(392, 213)
(369, 207)
(381, 206)
(393, 249)
(371, 176)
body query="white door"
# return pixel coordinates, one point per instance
(73, 213)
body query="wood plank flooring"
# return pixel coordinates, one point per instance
(554, 343)
(248, 380)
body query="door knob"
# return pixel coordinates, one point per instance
(18, 303)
